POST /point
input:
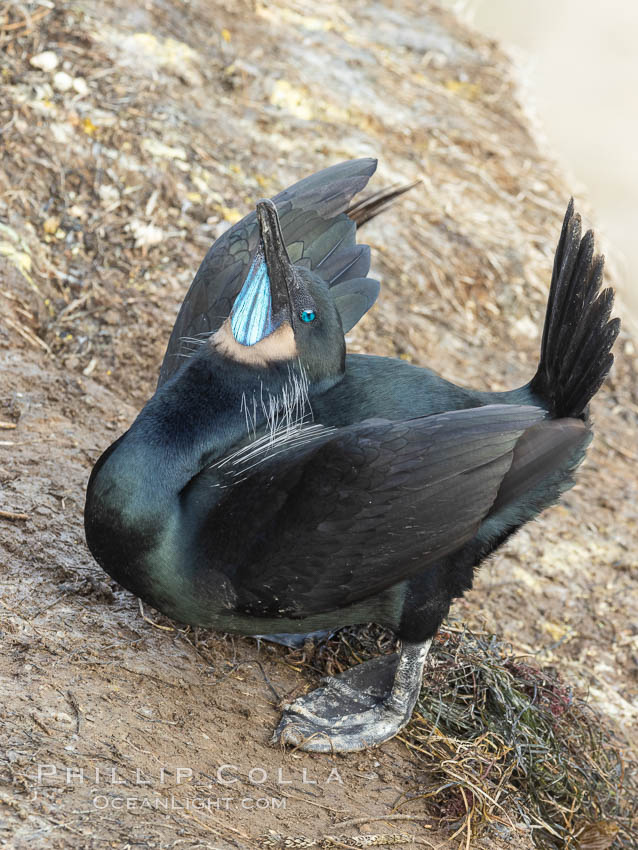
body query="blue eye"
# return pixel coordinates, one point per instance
(308, 316)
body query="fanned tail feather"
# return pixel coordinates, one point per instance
(578, 334)
(367, 208)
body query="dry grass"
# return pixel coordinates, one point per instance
(504, 742)
(108, 201)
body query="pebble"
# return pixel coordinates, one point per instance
(47, 61)
(108, 193)
(80, 86)
(63, 717)
(62, 81)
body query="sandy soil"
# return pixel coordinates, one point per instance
(111, 189)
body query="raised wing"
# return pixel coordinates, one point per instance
(343, 514)
(318, 235)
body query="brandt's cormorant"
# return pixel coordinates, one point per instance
(275, 484)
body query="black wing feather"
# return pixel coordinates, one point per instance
(312, 212)
(348, 263)
(363, 508)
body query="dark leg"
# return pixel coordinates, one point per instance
(360, 708)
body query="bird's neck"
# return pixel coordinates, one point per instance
(208, 408)
(133, 514)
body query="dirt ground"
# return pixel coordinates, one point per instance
(146, 131)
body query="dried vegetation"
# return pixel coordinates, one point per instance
(130, 136)
(505, 741)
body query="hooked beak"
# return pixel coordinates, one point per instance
(264, 300)
(278, 262)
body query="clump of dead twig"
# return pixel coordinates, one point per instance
(506, 743)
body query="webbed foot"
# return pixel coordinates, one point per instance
(360, 708)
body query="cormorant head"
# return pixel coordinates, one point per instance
(283, 312)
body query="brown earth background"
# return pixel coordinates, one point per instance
(154, 126)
